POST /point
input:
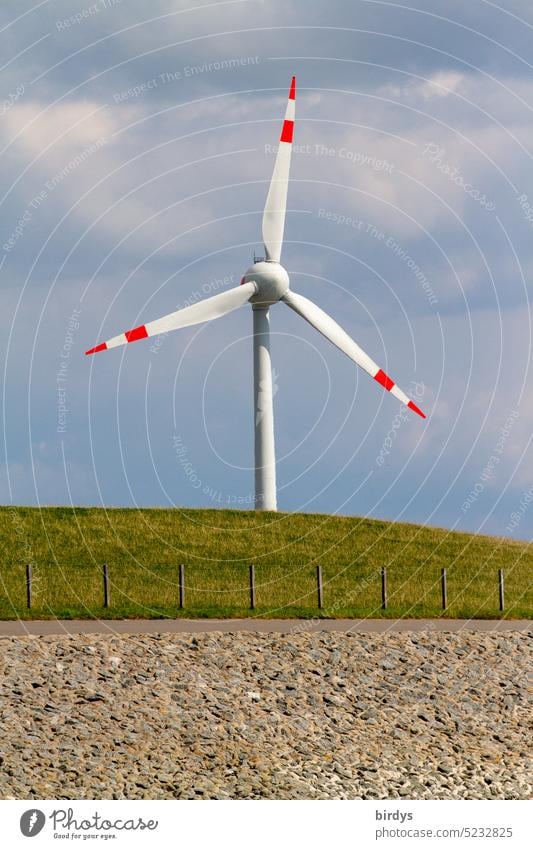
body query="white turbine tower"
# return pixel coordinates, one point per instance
(265, 283)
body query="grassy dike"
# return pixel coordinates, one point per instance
(143, 549)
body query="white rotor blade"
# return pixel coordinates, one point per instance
(329, 328)
(214, 307)
(276, 202)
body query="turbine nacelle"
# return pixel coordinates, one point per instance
(271, 282)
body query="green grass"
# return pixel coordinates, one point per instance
(143, 548)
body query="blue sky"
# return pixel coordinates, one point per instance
(137, 147)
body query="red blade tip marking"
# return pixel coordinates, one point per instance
(287, 131)
(136, 333)
(292, 92)
(384, 380)
(101, 347)
(416, 409)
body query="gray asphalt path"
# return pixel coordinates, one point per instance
(263, 626)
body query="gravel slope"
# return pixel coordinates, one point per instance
(306, 715)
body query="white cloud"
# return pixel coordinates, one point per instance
(439, 84)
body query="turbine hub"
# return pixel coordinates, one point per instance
(271, 279)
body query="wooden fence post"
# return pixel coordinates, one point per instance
(252, 586)
(182, 585)
(28, 586)
(319, 586)
(501, 588)
(106, 585)
(383, 588)
(444, 589)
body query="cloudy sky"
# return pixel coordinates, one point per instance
(137, 147)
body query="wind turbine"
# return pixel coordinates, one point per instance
(265, 283)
